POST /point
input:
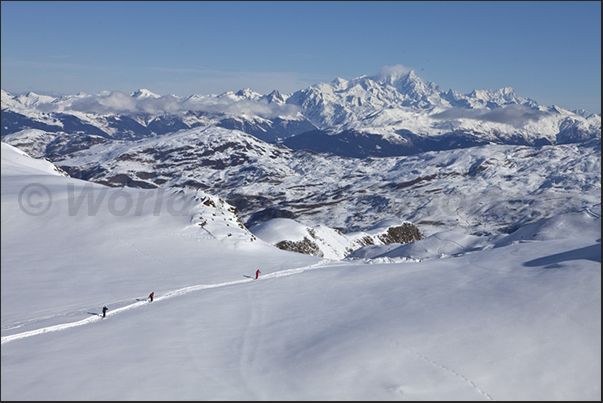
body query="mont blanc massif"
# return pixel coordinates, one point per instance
(411, 243)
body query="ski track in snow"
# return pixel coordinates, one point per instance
(187, 290)
(166, 295)
(429, 361)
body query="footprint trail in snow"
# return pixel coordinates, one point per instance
(166, 295)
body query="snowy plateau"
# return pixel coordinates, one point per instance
(110, 197)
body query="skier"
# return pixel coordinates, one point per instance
(105, 309)
(151, 295)
(257, 274)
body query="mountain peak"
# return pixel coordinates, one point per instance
(274, 97)
(143, 93)
(393, 74)
(340, 82)
(248, 93)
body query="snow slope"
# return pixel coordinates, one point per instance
(519, 320)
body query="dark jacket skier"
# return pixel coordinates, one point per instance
(151, 295)
(257, 274)
(105, 309)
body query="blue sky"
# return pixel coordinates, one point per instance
(546, 51)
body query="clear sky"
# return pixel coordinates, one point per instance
(549, 51)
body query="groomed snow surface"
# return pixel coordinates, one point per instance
(450, 317)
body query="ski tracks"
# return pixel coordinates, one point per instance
(422, 357)
(183, 291)
(164, 296)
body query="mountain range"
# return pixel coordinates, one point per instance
(344, 154)
(384, 115)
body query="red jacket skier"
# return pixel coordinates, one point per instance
(257, 274)
(151, 295)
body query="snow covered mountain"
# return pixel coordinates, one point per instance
(482, 190)
(487, 162)
(399, 114)
(141, 114)
(504, 317)
(393, 113)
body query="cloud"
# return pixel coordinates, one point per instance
(240, 107)
(515, 115)
(115, 102)
(120, 103)
(397, 71)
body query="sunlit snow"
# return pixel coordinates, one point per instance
(451, 317)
